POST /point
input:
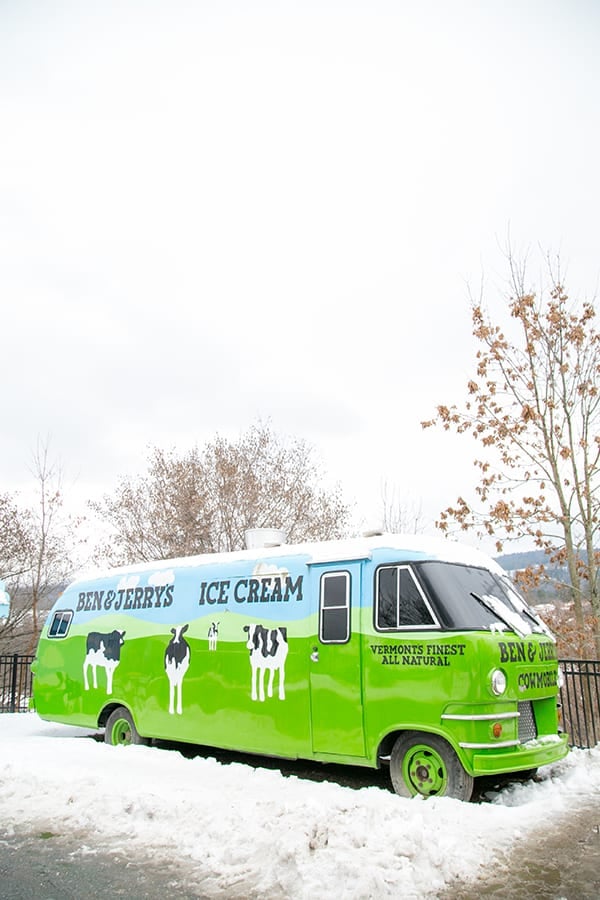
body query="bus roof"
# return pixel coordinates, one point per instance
(316, 552)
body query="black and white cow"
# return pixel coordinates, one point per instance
(213, 634)
(268, 650)
(177, 661)
(102, 650)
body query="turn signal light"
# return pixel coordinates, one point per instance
(496, 729)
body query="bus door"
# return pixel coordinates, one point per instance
(335, 659)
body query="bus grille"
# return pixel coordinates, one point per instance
(527, 728)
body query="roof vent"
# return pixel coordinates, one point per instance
(261, 538)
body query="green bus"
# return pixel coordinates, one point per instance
(404, 651)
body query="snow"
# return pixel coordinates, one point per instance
(254, 830)
(315, 551)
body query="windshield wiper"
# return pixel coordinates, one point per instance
(514, 622)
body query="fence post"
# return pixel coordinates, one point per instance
(13, 691)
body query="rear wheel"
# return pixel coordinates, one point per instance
(121, 730)
(426, 764)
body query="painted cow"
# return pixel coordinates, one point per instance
(102, 650)
(177, 662)
(268, 650)
(213, 635)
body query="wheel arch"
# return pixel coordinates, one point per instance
(120, 712)
(387, 742)
(106, 711)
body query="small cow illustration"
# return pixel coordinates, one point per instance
(177, 661)
(102, 650)
(213, 635)
(268, 650)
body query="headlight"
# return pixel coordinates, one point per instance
(498, 682)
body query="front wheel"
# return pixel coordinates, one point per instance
(121, 730)
(426, 764)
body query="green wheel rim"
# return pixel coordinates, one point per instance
(121, 732)
(424, 771)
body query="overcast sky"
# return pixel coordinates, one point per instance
(212, 212)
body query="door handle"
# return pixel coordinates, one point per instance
(314, 656)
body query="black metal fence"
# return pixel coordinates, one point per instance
(579, 695)
(15, 683)
(580, 700)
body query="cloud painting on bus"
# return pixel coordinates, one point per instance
(157, 596)
(271, 585)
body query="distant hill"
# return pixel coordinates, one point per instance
(513, 561)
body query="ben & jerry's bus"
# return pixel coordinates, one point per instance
(410, 652)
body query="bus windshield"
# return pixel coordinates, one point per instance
(467, 597)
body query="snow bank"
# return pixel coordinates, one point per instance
(260, 833)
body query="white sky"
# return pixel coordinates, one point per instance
(213, 212)
(236, 830)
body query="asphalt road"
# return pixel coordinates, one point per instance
(561, 864)
(46, 866)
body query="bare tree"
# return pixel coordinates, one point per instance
(161, 514)
(399, 516)
(13, 539)
(14, 565)
(205, 499)
(50, 556)
(36, 553)
(534, 406)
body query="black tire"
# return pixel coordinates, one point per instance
(426, 764)
(120, 729)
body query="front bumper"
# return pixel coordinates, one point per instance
(531, 755)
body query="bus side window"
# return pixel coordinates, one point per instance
(334, 608)
(399, 601)
(60, 623)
